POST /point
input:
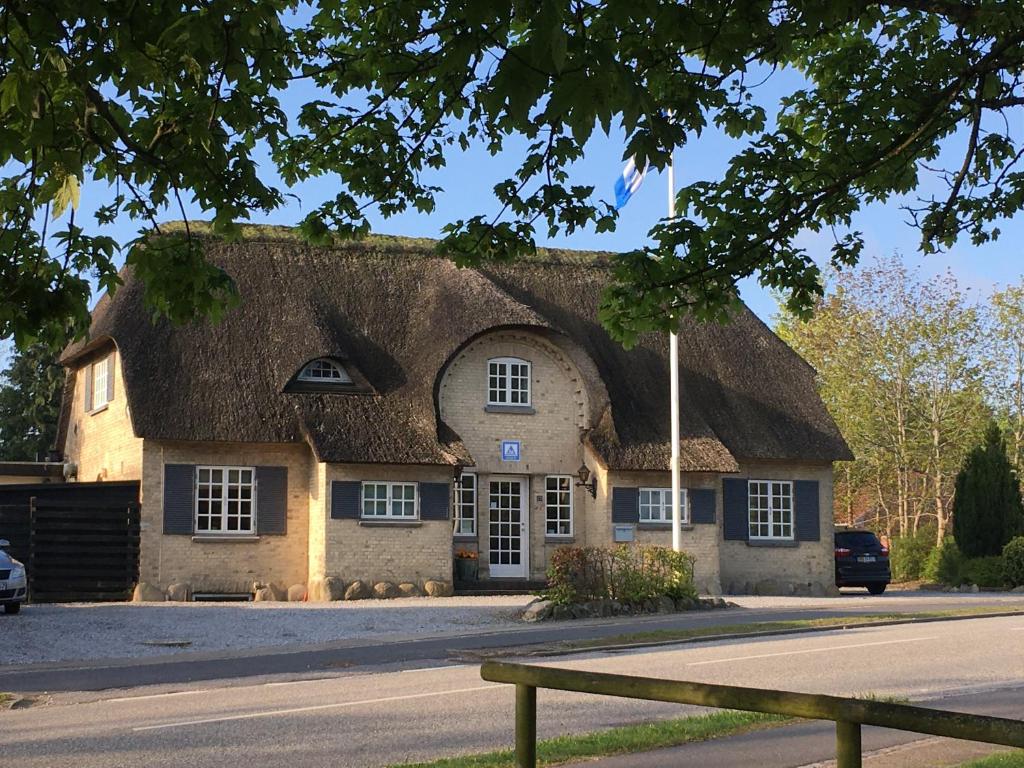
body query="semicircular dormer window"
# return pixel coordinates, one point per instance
(324, 371)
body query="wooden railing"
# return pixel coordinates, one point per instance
(848, 714)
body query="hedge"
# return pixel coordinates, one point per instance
(629, 574)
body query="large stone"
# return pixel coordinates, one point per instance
(435, 588)
(685, 603)
(1019, 589)
(296, 593)
(147, 593)
(358, 590)
(538, 610)
(333, 588)
(408, 589)
(666, 604)
(179, 593)
(264, 595)
(768, 587)
(385, 590)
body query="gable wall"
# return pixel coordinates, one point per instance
(102, 443)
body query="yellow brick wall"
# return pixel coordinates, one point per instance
(387, 552)
(701, 541)
(102, 443)
(225, 566)
(549, 437)
(796, 568)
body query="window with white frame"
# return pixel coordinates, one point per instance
(771, 509)
(226, 500)
(324, 371)
(656, 505)
(558, 505)
(508, 381)
(100, 373)
(465, 505)
(389, 501)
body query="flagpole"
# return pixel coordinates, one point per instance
(673, 357)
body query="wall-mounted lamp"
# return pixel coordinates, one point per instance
(584, 474)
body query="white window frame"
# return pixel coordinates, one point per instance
(663, 507)
(99, 393)
(389, 500)
(496, 392)
(775, 510)
(306, 373)
(223, 514)
(462, 505)
(558, 507)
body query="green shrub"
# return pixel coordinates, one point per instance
(945, 564)
(907, 554)
(984, 571)
(627, 573)
(1013, 562)
(987, 507)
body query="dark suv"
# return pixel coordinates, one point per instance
(862, 561)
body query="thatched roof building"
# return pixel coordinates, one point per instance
(396, 313)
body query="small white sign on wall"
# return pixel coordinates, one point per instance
(510, 450)
(624, 533)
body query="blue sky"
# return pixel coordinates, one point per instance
(469, 177)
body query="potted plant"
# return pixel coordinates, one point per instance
(466, 565)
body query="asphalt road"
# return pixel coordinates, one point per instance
(313, 660)
(379, 718)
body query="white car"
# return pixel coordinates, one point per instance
(13, 582)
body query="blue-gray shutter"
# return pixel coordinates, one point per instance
(625, 505)
(435, 501)
(179, 498)
(110, 377)
(702, 505)
(346, 499)
(808, 513)
(271, 501)
(735, 509)
(87, 370)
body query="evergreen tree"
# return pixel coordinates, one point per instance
(30, 394)
(987, 509)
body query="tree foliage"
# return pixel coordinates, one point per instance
(902, 364)
(987, 509)
(30, 394)
(176, 102)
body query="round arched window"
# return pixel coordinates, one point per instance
(324, 371)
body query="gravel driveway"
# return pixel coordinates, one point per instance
(76, 631)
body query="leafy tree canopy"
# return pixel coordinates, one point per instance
(175, 102)
(30, 392)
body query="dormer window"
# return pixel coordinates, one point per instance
(508, 381)
(324, 371)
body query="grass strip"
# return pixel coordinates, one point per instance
(1013, 759)
(619, 741)
(769, 627)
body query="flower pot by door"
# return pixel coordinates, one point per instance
(465, 569)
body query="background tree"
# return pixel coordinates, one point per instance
(987, 508)
(174, 102)
(1006, 351)
(30, 395)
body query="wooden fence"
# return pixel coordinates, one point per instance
(848, 714)
(79, 542)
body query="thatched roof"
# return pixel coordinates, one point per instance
(397, 312)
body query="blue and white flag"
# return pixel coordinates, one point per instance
(628, 183)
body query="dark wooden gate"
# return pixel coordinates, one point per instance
(79, 542)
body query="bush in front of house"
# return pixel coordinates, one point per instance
(945, 564)
(984, 571)
(987, 508)
(628, 574)
(908, 554)
(1013, 562)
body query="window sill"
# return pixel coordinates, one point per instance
(780, 543)
(464, 537)
(391, 523)
(551, 539)
(524, 410)
(101, 409)
(224, 538)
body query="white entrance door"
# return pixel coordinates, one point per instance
(508, 528)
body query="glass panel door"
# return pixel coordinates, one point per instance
(507, 532)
